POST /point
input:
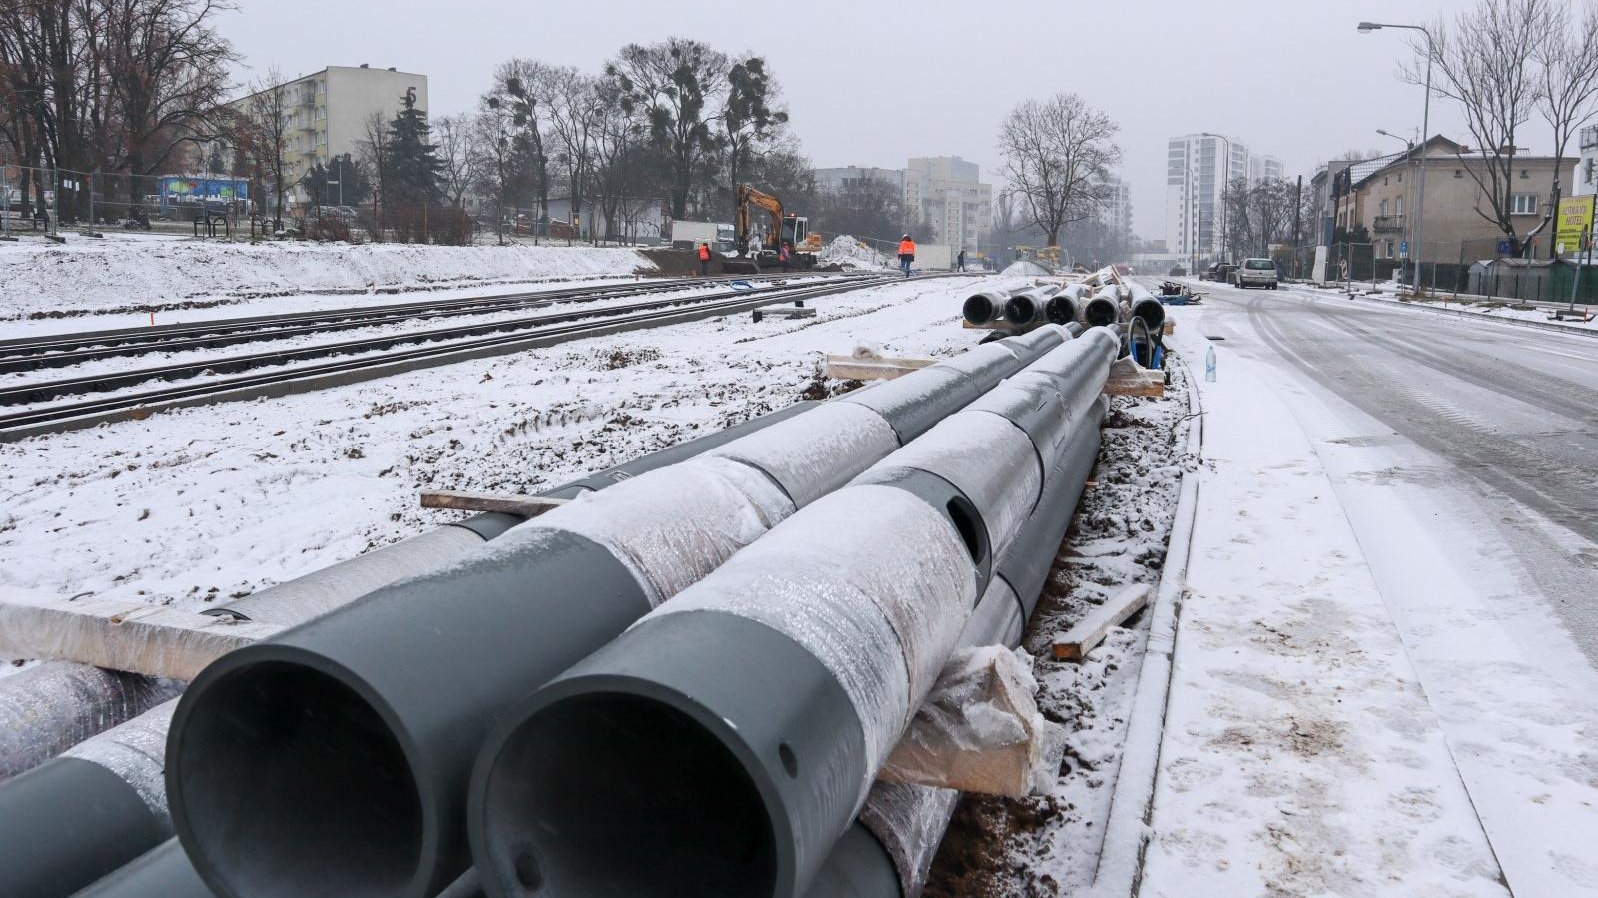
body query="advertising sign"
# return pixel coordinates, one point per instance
(1574, 223)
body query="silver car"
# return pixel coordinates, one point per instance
(1255, 273)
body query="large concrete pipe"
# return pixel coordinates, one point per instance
(119, 773)
(1065, 307)
(345, 725)
(1151, 310)
(1103, 309)
(50, 707)
(723, 744)
(889, 849)
(1027, 306)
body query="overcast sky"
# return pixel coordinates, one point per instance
(873, 83)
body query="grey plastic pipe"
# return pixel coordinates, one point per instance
(724, 743)
(361, 727)
(112, 786)
(52, 706)
(1025, 307)
(889, 849)
(1103, 309)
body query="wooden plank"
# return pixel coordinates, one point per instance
(1170, 327)
(848, 367)
(1127, 378)
(510, 503)
(1091, 630)
(153, 640)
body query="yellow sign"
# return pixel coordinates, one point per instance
(1574, 223)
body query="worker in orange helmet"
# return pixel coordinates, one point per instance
(907, 254)
(704, 259)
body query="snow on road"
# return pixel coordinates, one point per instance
(1375, 693)
(201, 504)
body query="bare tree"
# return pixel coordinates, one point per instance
(749, 116)
(574, 114)
(493, 147)
(523, 88)
(1481, 60)
(1567, 58)
(1057, 155)
(376, 155)
(674, 85)
(270, 118)
(455, 154)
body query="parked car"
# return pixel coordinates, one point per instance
(1255, 273)
(1218, 272)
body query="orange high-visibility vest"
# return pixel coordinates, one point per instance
(907, 247)
(704, 253)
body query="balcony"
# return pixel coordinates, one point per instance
(1385, 224)
(1589, 137)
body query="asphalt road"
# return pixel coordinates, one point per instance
(1511, 413)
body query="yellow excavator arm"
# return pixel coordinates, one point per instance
(748, 196)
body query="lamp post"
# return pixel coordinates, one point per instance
(1425, 136)
(1409, 156)
(1226, 181)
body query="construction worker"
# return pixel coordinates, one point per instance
(783, 255)
(704, 259)
(907, 254)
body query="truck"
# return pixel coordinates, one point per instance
(689, 234)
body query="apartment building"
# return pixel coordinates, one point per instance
(328, 111)
(843, 176)
(947, 191)
(1117, 214)
(1198, 168)
(1380, 196)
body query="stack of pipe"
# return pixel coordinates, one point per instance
(102, 803)
(724, 743)
(1104, 309)
(334, 757)
(987, 306)
(1027, 306)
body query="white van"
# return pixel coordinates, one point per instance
(1255, 273)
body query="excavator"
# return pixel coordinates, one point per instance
(785, 227)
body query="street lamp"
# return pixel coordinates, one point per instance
(1425, 135)
(1226, 181)
(1409, 156)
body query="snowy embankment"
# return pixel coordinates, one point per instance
(850, 253)
(205, 503)
(122, 274)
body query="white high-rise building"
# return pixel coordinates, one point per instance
(1117, 213)
(946, 191)
(1198, 168)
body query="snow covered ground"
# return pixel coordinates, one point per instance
(1493, 308)
(133, 272)
(205, 503)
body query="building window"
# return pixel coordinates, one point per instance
(1383, 213)
(1389, 250)
(1459, 173)
(1523, 204)
(1398, 206)
(1525, 175)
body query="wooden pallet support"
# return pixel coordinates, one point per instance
(1128, 378)
(849, 367)
(510, 503)
(1075, 644)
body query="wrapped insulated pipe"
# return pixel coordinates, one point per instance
(50, 707)
(1026, 307)
(987, 306)
(723, 744)
(1065, 307)
(889, 849)
(119, 773)
(360, 727)
(1103, 309)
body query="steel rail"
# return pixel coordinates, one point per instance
(286, 381)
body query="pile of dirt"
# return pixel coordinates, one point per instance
(676, 262)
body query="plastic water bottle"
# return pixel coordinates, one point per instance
(1209, 365)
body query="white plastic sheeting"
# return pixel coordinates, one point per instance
(671, 526)
(136, 752)
(815, 453)
(872, 581)
(50, 707)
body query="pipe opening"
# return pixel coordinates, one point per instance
(614, 794)
(1020, 310)
(1101, 311)
(1061, 310)
(977, 309)
(967, 522)
(294, 785)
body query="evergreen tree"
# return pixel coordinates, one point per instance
(414, 167)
